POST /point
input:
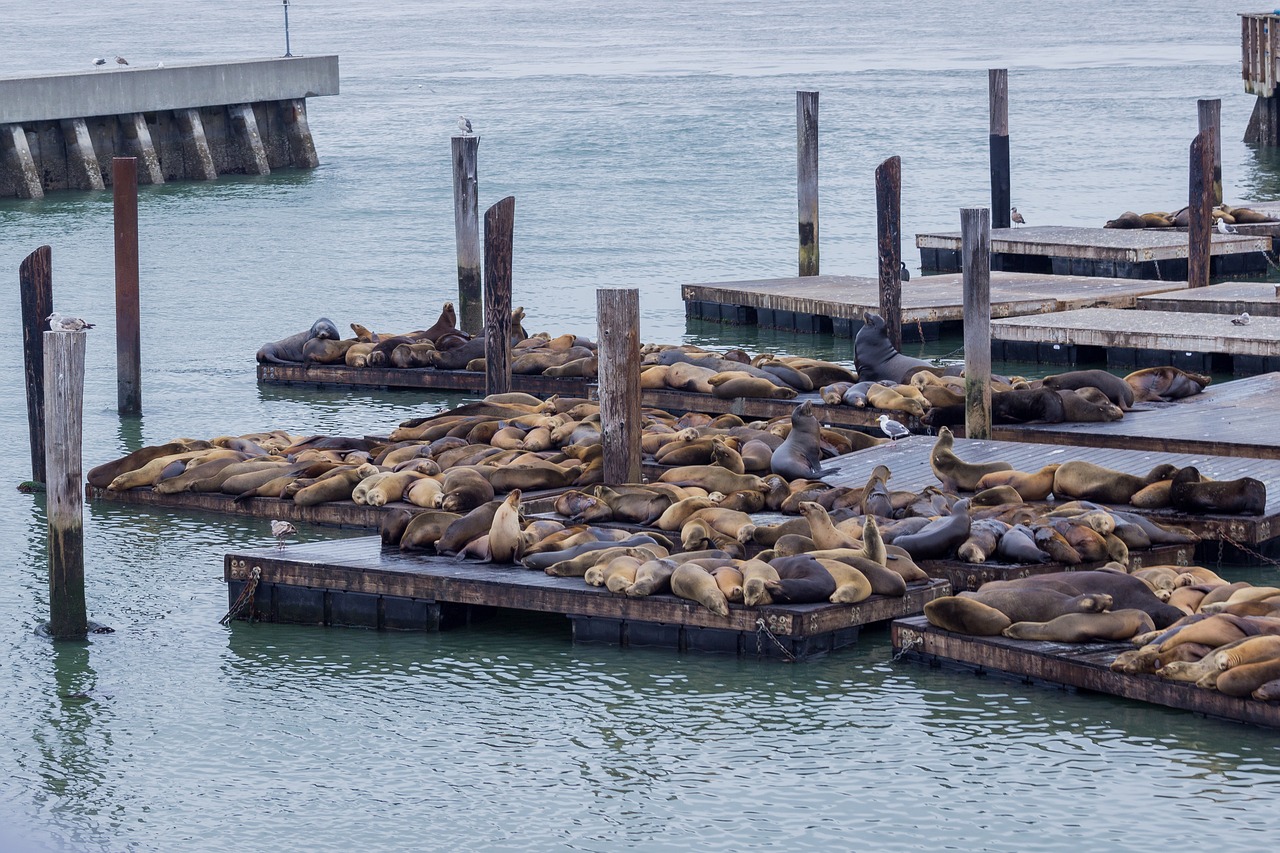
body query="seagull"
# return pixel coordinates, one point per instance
(464, 124)
(281, 530)
(1243, 319)
(1224, 228)
(58, 323)
(99, 61)
(1016, 216)
(120, 60)
(906, 273)
(893, 429)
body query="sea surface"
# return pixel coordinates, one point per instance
(647, 145)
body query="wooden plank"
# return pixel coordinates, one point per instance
(416, 377)
(1083, 666)
(1199, 209)
(63, 412)
(128, 315)
(499, 224)
(889, 246)
(975, 223)
(928, 299)
(1231, 297)
(1099, 244)
(1001, 191)
(35, 286)
(466, 231)
(1154, 330)
(362, 565)
(618, 313)
(807, 180)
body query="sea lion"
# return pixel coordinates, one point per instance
(652, 577)
(474, 524)
(1088, 405)
(425, 529)
(1252, 650)
(411, 355)
(325, 351)
(801, 579)
(464, 489)
(1245, 679)
(1030, 487)
(879, 579)
(1116, 388)
(1038, 604)
(1126, 591)
(824, 534)
(733, 384)
(729, 579)
(852, 585)
(713, 478)
(984, 538)
(800, 454)
(940, 537)
(875, 357)
(1165, 383)
(692, 582)
(889, 399)
(1188, 492)
(447, 323)
(757, 575)
(953, 472)
(1083, 627)
(965, 616)
(506, 544)
(1089, 482)
(289, 350)
(392, 526)
(620, 574)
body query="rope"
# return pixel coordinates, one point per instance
(763, 629)
(244, 601)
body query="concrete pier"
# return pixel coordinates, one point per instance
(183, 122)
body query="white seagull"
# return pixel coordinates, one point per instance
(893, 429)
(281, 530)
(99, 61)
(1224, 228)
(1243, 319)
(464, 124)
(59, 323)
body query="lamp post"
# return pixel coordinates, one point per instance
(286, 28)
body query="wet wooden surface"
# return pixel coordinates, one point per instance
(1232, 297)
(1100, 244)
(415, 377)
(1177, 331)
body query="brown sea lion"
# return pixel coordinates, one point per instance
(939, 538)
(425, 529)
(1188, 492)
(733, 384)
(953, 472)
(875, 357)
(824, 534)
(800, 454)
(1245, 679)
(506, 542)
(757, 575)
(692, 582)
(652, 578)
(1086, 481)
(1083, 627)
(984, 538)
(965, 616)
(1165, 383)
(326, 351)
(289, 350)
(464, 489)
(801, 579)
(1116, 389)
(1030, 487)
(1038, 604)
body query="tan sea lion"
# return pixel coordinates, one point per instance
(953, 472)
(965, 616)
(733, 384)
(506, 542)
(1083, 627)
(1243, 680)
(1089, 482)
(1165, 383)
(757, 575)
(852, 585)
(692, 582)
(652, 577)
(713, 478)
(464, 489)
(326, 351)
(824, 534)
(1031, 487)
(1252, 650)
(729, 579)
(425, 529)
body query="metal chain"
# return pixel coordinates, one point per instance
(1267, 256)
(910, 644)
(1245, 548)
(763, 629)
(245, 599)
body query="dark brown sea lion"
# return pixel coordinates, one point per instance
(939, 538)
(1038, 604)
(1116, 389)
(1083, 627)
(1165, 383)
(1190, 493)
(800, 454)
(425, 529)
(1126, 591)
(1079, 407)
(446, 324)
(875, 357)
(965, 616)
(1089, 482)
(289, 350)
(801, 579)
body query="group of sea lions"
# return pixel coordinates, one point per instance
(1182, 218)
(735, 373)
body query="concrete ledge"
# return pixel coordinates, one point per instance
(119, 90)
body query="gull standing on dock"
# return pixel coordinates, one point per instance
(1224, 228)
(893, 429)
(464, 124)
(59, 323)
(120, 60)
(1243, 319)
(282, 530)
(100, 61)
(1016, 217)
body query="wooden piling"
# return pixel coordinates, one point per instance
(889, 240)
(466, 229)
(64, 401)
(35, 285)
(1210, 115)
(1001, 191)
(499, 222)
(975, 234)
(807, 179)
(1200, 210)
(124, 187)
(618, 320)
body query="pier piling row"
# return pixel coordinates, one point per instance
(183, 122)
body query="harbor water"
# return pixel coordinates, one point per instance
(647, 145)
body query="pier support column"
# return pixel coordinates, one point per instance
(195, 148)
(83, 171)
(140, 146)
(807, 179)
(294, 113)
(245, 125)
(18, 160)
(1001, 191)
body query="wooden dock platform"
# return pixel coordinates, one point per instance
(424, 378)
(1258, 298)
(1132, 339)
(1111, 252)
(357, 583)
(969, 576)
(1236, 418)
(834, 304)
(1084, 666)
(909, 463)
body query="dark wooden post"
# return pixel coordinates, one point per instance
(124, 178)
(466, 229)
(35, 285)
(618, 320)
(499, 222)
(64, 402)
(975, 240)
(1200, 210)
(1001, 192)
(889, 238)
(1210, 114)
(807, 179)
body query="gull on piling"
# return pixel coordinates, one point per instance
(59, 323)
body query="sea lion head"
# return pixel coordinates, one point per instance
(325, 330)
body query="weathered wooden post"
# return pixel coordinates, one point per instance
(466, 229)
(35, 285)
(618, 320)
(807, 179)
(124, 178)
(64, 401)
(1200, 210)
(1001, 192)
(1210, 115)
(975, 239)
(499, 222)
(889, 239)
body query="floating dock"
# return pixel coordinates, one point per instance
(1084, 666)
(834, 304)
(1112, 252)
(1258, 298)
(1129, 340)
(423, 378)
(969, 576)
(356, 583)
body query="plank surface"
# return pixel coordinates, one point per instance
(1177, 331)
(1079, 665)
(1231, 297)
(415, 377)
(1104, 244)
(927, 299)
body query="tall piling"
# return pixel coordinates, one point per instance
(1200, 210)
(1209, 112)
(889, 245)
(124, 188)
(1001, 191)
(618, 321)
(64, 402)
(35, 286)
(807, 179)
(466, 229)
(499, 223)
(975, 241)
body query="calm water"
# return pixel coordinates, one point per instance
(646, 146)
